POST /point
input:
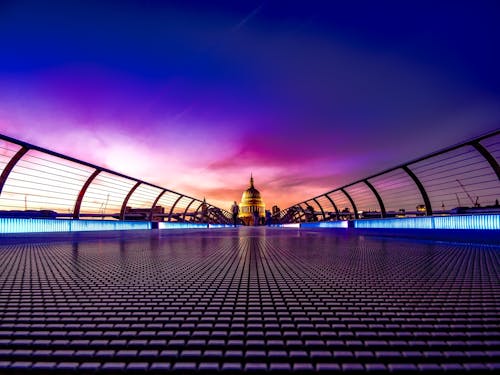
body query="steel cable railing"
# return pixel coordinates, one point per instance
(39, 183)
(463, 178)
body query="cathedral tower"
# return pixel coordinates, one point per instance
(251, 202)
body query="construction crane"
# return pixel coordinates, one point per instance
(474, 204)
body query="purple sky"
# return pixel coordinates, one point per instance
(195, 97)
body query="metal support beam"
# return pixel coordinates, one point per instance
(489, 158)
(379, 198)
(295, 215)
(228, 217)
(155, 203)
(25, 147)
(125, 201)
(321, 208)
(476, 143)
(286, 216)
(173, 206)
(81, 194)
(303, 213)
(356, 216)
(309, 215)
(425, 197)
(10, 165)
(334, 206)
(197, 209)
(186, 210)
(216, 217)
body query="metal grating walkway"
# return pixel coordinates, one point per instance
(246, 300)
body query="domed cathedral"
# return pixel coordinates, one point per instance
(252, 205)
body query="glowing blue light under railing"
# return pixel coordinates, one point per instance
(18, 225)
(170, 225)
(467, 222)
(220, 225)
(400, 223)
(326, 224)
(291, 225)
(459, 222)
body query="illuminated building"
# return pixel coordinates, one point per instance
(251, 203)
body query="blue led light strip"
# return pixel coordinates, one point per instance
(15, 225)
(170, 225)
(326, 224)
(470, 222)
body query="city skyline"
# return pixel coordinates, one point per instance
(195, 97)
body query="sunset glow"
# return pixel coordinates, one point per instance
(195, 98)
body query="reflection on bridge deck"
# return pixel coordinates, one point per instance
(247, 299)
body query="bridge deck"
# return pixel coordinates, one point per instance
(249, 299)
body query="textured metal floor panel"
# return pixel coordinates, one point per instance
(247, 300)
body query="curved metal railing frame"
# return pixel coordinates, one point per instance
(297, 213)
(222, 218)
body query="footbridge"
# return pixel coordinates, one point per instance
(395, 273)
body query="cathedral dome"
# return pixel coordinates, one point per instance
(251, 204)
(251, 194)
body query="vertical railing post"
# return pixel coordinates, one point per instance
(173, 206)
(81, 194)
(186, 210)
(420, 187)
(10, 166)
(489, 158)
(356, 216)
(321, 208)
(155, 203)
(334, 206)
(125, 201)
(379, 198)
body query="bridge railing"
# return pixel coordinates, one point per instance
(461, 179)
(39, 183)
